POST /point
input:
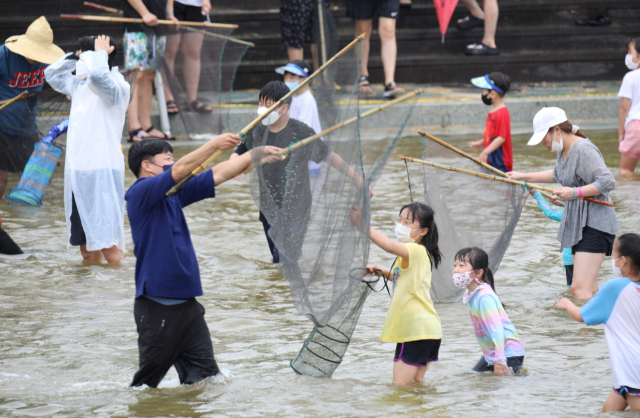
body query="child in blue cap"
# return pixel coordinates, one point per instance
(496, 140)
(303, 105)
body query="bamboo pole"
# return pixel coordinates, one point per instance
(257, 120)
(475, 160)
(340, 125)
(13, 100)
(215, 35)
(139, 20)
(496, 178)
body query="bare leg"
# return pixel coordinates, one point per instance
(614, 403)
(404, 374)
(170, 52)
(474, 8)
(627, 165)
(113, 254)
(144, 89)
(315, 56)
(133, 111)
(388, 48)
(491, 13)
(90, 255)
(361, 27)
(420, 375)
(4, 178)
(295, 53)
(586, 267)
(191, 48)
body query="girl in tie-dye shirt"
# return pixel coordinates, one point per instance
(498, 338)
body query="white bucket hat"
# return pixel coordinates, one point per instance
(545, 119)
(37, 43)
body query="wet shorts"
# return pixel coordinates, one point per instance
(514, 363)
(77, 231)
(626, 390)
(138, 53)
(594, 241)
(417, 353)
(630, 145)
(365, 9)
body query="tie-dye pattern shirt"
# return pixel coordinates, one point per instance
(496, 334)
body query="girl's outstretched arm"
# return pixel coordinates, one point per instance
(378, 238)
(566, 305)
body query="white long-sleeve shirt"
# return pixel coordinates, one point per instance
(94, 167)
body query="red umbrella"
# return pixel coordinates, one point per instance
(444, 10)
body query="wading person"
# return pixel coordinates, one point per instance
(23, 59)
(617, 306)
(169, 320)
(588, 228)
(629, 113)
(94, 167)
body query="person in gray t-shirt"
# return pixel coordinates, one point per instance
(586, 227)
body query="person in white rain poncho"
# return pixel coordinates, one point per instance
(94, 170)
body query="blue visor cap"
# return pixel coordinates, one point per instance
(486, 83)
(293, 69)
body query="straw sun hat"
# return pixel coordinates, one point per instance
(37, 43)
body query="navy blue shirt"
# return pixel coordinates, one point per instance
(16, 76)
(166, 263)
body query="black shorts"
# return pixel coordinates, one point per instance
(568, 271)
(365, 9)
(417, 353)
(594, 241)
(77, 231)
(188, 13)
(626, 390)
(514, 363)
(172, 335)
(15, 151)
(296, 22)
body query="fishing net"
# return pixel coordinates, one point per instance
(469, 211)
(220, 57)
(322, 254)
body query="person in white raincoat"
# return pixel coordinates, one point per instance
(94, 168)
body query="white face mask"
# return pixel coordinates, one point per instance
(616, 270)
(557, 146)
(462, 280)
(271, 118)
(630, 64)
(403, 233)
(82, 71)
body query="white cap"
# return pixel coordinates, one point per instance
(545, 119)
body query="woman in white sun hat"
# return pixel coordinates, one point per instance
(588, 228)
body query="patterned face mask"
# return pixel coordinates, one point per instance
(462, 280)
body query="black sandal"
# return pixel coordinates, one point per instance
(134, 134)
(198, 106)
(469, 22)
(164, 136)
(172, 108)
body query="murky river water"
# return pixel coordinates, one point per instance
(68, 339)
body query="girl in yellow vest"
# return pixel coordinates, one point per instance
(412, 322)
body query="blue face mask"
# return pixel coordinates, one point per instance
(292, 84)
(164, 168)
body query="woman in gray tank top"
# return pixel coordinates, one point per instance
(588, 228)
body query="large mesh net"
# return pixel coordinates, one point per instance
(204, 74)
(469, 211)
(322, 254)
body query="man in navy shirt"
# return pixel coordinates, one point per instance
(169, 320)
(23, 59)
